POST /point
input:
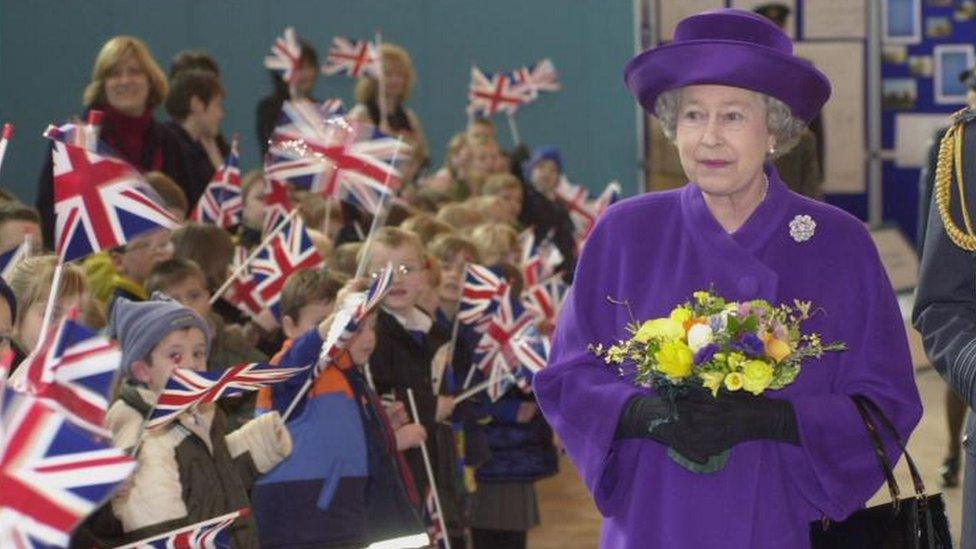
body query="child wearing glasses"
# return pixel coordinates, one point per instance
(407, 341)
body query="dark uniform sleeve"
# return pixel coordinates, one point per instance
(945, 304)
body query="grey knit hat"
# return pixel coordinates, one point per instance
(140, 325)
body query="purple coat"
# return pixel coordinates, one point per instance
(655, 250)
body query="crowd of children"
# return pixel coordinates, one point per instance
(346, 468)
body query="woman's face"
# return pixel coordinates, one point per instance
(210, 115)
(27, 330)
(722, 138)
(395, 80)
(306, 78)
(127, 86)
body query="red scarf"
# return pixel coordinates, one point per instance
(128, 135)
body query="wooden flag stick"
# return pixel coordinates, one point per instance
(8, 132)
(513, 128)
(240, 268)
(380, 218)
(430, 471)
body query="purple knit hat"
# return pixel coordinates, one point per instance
(730, 47)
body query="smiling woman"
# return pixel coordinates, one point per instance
(127, 85)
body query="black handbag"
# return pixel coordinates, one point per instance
(911, 523)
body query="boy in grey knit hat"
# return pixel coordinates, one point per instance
(189, 469)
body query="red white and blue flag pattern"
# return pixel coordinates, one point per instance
(507, 346)
(545, 299)
(208, 534)
(582, 211)
(489, 94)
(53, 474)
(538, 260)
(286, 56)
(277, 204)
(433, 521)
(290, 251)
(98, 203)
(354, 58)
(187, 388)
(481, 293)
(221, 203)
(349, 161)
(241, 293)
(541, 77)
(350, 319)
(74, 371)
(10, 258)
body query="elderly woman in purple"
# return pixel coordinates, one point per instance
(732, 96)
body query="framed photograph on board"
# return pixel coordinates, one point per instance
(951, 60)
(901, 21)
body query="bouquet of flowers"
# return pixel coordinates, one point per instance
(717, 345)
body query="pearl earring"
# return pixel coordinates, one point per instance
(772, 150)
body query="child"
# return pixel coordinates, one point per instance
(18, 221)
(189, 470)
(8, 311)
(454, 252)
(426, 226)
(252, 216)
(407, 340)
(170, 192)
(507, 187)
(497, 243)
(31, 285)
(134, 261)
(343, 260)
(461, 217)
(184, 281)
(351, 487)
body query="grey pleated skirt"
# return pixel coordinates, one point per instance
(505, 506)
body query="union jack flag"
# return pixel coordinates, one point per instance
(286, 56)
(480, 295)
(208, 534)
(532, 350)
(221, 203)
(433, 521)
(241, 293)
(538, 262)
(349, 320)
(583, 212)
(290, 251)
(355, 58)
(545, 299)
(80, 135)
(542, 77)
(277, 203)
(186, 388)
(74, 372)
(306, 118)
(350, 161)
(98, 204)
(492, 93)
(10, 258)
(52, 473)
(505, 347)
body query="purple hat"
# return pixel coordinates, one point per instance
(730, 47)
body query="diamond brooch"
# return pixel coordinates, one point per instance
(802, 228)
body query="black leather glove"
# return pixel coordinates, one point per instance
(707, 426)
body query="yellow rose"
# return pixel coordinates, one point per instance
(674, 359)
(777, 349)
(663, 328)
(757, 375)
(681, 315)
(713, 381)
(733, 381)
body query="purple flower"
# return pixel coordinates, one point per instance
(706, 353)
(750, 344)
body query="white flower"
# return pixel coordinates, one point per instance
(699, 336)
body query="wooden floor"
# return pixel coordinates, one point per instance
(570, 520)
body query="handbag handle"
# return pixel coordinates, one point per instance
(870, 406)
(879, 451)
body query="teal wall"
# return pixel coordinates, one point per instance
(47, 49)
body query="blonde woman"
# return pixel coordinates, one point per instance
(399, 78)
(127, 85)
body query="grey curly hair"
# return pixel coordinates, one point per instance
(785, 128)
